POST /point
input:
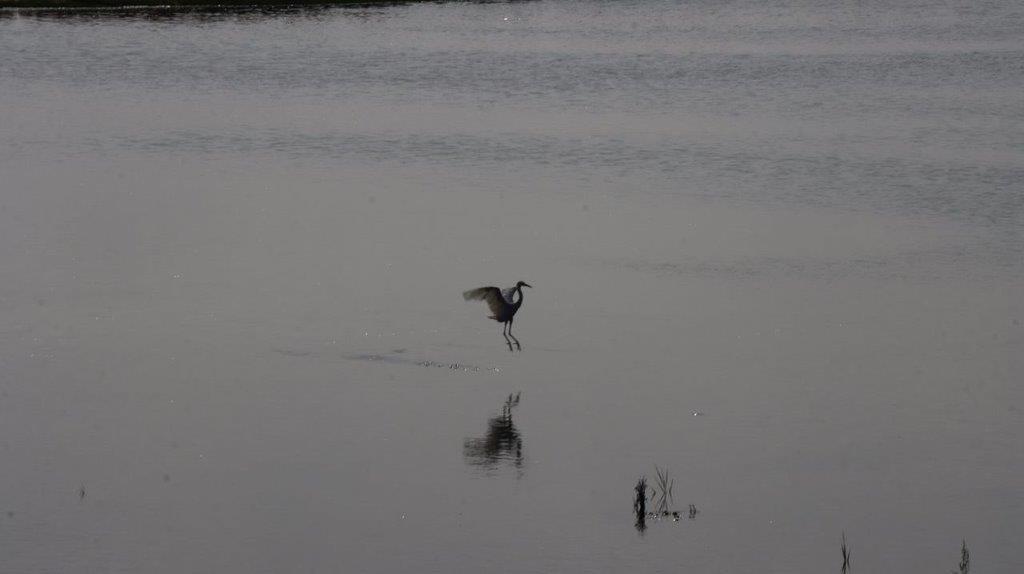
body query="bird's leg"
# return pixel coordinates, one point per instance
(507, 341)
(518, 346)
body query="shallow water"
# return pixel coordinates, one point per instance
(776, 249)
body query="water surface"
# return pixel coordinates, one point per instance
(776, 249)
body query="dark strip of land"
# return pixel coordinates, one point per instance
(60, 4)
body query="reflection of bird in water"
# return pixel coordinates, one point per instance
(503, 304)
(502, 441)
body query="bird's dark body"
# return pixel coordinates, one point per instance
(504, 317)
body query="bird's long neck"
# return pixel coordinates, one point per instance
(518, 302)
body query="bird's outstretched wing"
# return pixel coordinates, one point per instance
(508, 295)
(492, 295)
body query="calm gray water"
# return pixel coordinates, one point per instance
(776, 249)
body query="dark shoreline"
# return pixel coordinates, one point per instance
(171, 4)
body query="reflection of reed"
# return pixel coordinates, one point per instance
(502, 441)
(846, 556)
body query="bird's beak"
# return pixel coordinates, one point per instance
(527, 285)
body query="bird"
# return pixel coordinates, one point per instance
(503, 304)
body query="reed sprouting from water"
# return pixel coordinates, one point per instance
(661, 495)
(964, 566)
(640, 504)
(965, 558)
(846, 556)
(663, 490)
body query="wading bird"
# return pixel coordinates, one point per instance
(503, 304)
